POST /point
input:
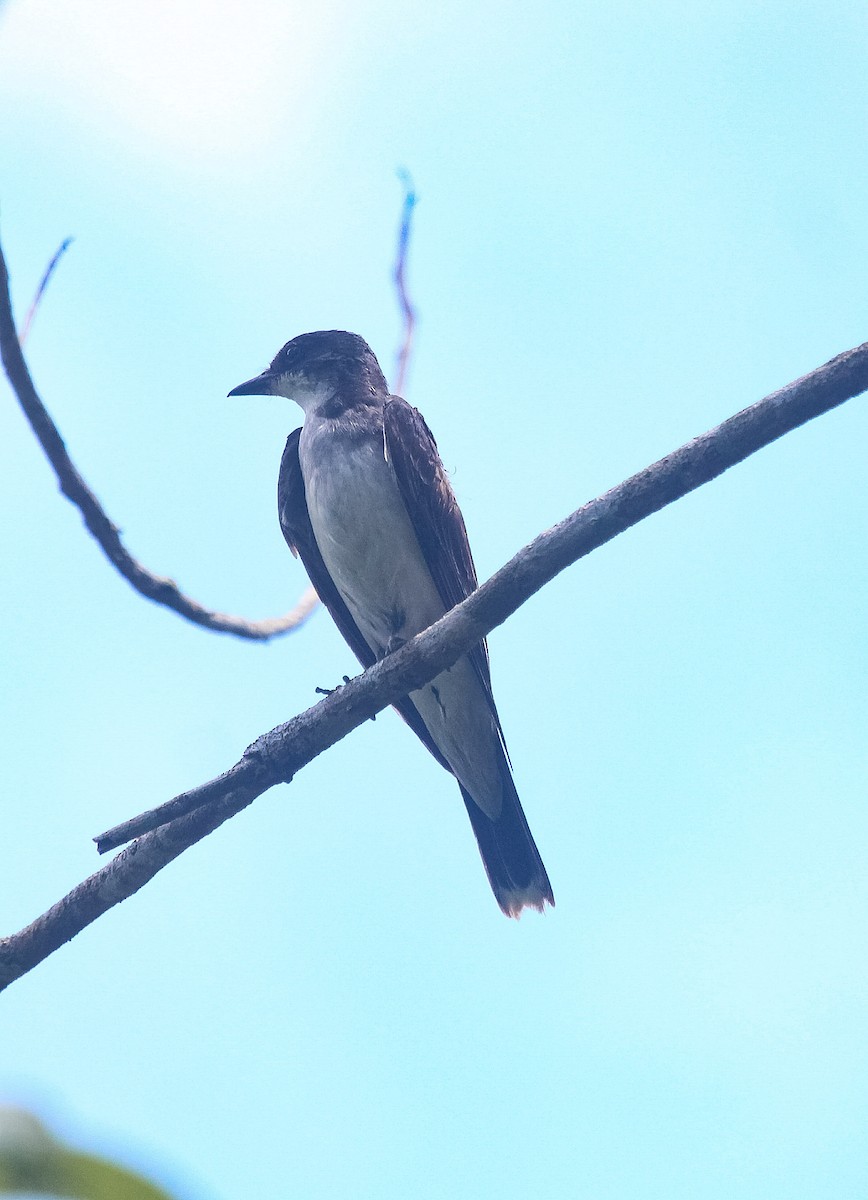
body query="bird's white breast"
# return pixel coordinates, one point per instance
(365, 535)
(370, 549)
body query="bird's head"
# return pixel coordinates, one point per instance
(316, 368)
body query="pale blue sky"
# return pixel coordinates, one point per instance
(633, 221)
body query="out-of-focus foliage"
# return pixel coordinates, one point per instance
(34, 1162)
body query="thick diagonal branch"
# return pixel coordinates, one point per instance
(154, 587)
(278, 755)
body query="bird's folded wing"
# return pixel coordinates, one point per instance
(435, 516)
(299, 535)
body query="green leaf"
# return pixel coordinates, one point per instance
(35, 1162)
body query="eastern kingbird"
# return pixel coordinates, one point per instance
(364, 500)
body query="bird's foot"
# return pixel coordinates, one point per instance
(331, 691)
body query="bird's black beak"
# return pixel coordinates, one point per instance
(260, 385)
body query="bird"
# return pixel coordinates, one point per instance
(365, 502)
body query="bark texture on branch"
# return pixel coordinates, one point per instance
(279, 754)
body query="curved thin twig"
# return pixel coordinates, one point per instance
(278, 755)
(40, 291)
(407, 311)
(153, 587)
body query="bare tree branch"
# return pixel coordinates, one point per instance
(407, 310)
(278, 755)
(153, 587)
(40, 291)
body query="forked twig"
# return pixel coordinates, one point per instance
(40, 291)
(153, 587)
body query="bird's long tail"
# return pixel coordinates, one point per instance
(509, 854)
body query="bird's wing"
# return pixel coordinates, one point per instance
(299, 535)
(435, 516)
